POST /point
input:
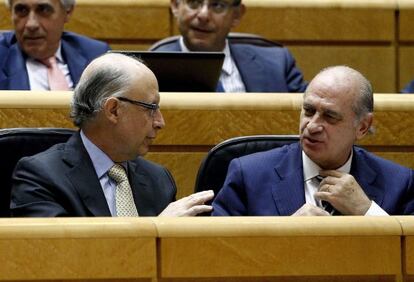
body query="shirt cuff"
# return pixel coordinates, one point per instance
(375, 210)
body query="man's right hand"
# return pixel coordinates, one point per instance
(190, 205)
(310, 210)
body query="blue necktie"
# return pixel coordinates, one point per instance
(220, 87)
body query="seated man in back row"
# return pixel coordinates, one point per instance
(99, 171)
(204, 26)
(323, 174)
(38, 55)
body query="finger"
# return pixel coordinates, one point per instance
(323, 196)
(198, 209)
(201, 197)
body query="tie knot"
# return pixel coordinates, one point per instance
(118, 173)
(49, 62)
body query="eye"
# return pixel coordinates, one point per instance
(308, 111)
(194, 4)
(45, 10)
(21, 10)
(219, 6)
(331, 118)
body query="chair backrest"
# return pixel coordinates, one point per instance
(16, 143)
(213, 169)
(233, 37)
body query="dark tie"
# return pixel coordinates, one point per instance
(326, 205)
(220, 87)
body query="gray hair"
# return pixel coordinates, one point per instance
(95, 87)
(364, 104)
(67, 4)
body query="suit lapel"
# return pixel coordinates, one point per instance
(249, 68)
(288, 190)
(14, 70)
(76, 64)
(141, 190)
(83, 177)
(365, 176)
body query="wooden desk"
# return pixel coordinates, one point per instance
(279, 249)
(407, 225)
(195, 122)
(82, 249)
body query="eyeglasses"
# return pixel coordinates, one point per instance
(217, 6)
(151, 106)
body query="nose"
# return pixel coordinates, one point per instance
(203, 12)
(159, 122)
(32, 21)
(314, 125)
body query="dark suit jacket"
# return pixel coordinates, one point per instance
(77, 51)
(263, 69)
(409, 88)
(271, 183)
(62, 182)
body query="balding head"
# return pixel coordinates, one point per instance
(110, 75)
(352, 82)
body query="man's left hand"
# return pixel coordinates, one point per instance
(343, 192)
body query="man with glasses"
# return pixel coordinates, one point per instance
(99, 170)
(205, 25)
(39, 54)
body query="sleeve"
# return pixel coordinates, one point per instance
(294, 77)
(31, 194)
(231, 200)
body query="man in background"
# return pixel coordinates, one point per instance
(323, 174)
(38, 54)
(100, 171)
(204, 26)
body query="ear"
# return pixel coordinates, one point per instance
(364, 126)
(238, 14)
(111, 109)
(174, 4)
(69, 13)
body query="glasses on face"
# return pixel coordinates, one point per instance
(217, 6)
(150, 106)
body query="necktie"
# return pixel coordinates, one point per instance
(326, 205)
(55, 76)
(125, 205)
(220, 87)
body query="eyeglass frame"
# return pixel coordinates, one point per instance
(233, 3)
(150, 106)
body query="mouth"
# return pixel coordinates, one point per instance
(201, 30)
(311, 141)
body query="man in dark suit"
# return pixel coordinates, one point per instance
(116, 106)
(204, 26)
(38, 36)
(325, 173)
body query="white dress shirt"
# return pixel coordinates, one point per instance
(230, 76)
(102, 163)
(37, 72)
(311, 169)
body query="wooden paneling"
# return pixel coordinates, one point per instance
(84, 248)
(407, 226)
(375, 62)
(352, 248)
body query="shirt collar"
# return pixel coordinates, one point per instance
(101, 162)
(227, 64)
(311, 169)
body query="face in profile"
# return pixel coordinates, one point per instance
(39, 25)
(203, 26)
(328, 123)
(138, 125)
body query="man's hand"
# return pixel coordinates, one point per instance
(190, 205)
(343, 192)
(308, 209)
